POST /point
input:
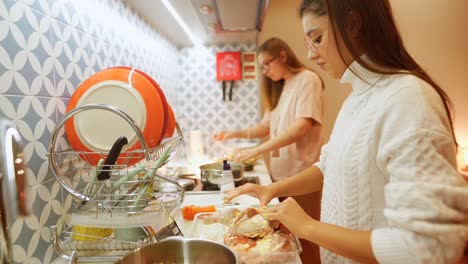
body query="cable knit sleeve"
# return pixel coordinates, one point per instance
(323, 155)
(426, 200)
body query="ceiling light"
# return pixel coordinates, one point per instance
(206, 9)
(181, 22)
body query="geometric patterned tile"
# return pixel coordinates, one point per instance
(201, 105)
(70, 47)
(25, 46)
(31, 235)
(67, 12)
(47, 48)
(34, 118)
(98, 56)
(61, 104)
(39, 5)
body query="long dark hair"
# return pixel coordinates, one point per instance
(379, 39)
(271, 90)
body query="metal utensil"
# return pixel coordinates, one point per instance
(106, 169)
(182, 250)
(212, 173)
(91, 186)
(187, 184)
(112, 158)
(149, 175)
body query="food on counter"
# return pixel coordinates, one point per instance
(253, 238)
(250, 231)
(240, 243)
(279, 241)
(85, 233)
(250, 223)
(189, 212)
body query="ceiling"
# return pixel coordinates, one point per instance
(223, 26)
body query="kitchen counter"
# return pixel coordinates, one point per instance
(212, 197)
(200, 198)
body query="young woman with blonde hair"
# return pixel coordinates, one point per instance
(293, 98)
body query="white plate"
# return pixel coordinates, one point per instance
(120, 95)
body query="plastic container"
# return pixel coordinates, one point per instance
(227, 182)
(213, 226)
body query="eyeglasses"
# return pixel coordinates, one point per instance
(266, 65)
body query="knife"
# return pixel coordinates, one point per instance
(106, 168)
(111, 159)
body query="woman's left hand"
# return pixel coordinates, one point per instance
(246, 154)
(291, 215)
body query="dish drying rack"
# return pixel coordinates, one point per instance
(97, 249)
(133, 197)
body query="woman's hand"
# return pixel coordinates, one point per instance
(247, 154)
(291, 215)
(224, 135)
(263, 193)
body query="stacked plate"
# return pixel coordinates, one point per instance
(132, 91)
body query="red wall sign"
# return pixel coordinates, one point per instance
(228, 66)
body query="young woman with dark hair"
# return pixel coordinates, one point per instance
(391, 190)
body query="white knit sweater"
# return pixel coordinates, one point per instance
(390, 167)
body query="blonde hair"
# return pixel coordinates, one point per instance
(271, 90)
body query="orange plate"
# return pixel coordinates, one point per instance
(166, 129)
(112, 126)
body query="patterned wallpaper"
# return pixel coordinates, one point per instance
(201, 102)
(48, 47)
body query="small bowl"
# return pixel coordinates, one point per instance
(213, 172)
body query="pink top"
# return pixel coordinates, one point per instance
(302, 97)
